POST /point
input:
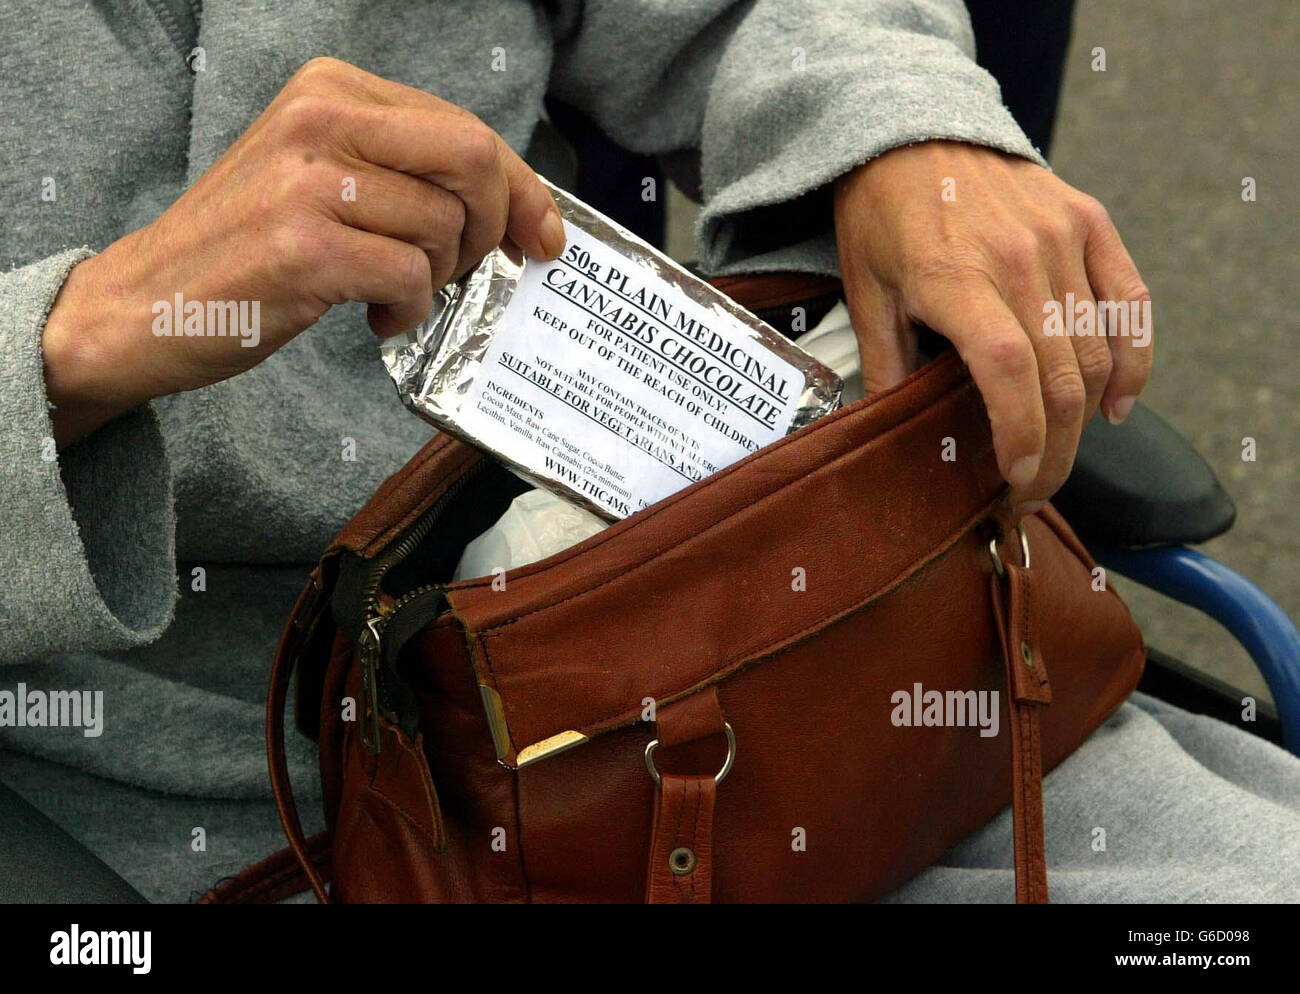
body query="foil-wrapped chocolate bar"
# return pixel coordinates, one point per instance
(611, 375)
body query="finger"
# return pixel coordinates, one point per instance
(462, 157)
(413, 210)
(1091, 351)
(416, 132)
(1060, 381)
(533, 221)
(375, 269)
(501, 194)
(971, 313)
(886, 338)
(1117, 283)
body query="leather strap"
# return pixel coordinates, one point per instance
(681, 847)
(1028, 690)
(302, 620)
(272, 879)
(681, 839)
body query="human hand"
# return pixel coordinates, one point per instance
(979, 268)
(347, 187)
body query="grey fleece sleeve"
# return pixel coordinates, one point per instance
(779, 97)
(87, 559)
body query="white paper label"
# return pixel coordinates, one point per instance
(613, 381)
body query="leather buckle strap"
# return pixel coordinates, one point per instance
(681, 848)
(681, 841)
(1028, 691)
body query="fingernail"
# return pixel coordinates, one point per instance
(1029, 507)
(552, 234)
(1023, 471)
(1120, 410)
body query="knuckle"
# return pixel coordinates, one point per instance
(412, 272)
(447, 217)
(1092, 212)
(318, 69)
(299, 183)
(1064, 392)
(1019, 249)
(1136, 291)
(299, 245)
(477, 146)
(291, 189)
(442, 265)
(1095, 363)
(1010, 355)
(304, 116)
(1057, 230)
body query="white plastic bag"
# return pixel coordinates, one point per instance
(834, 343)
(537, 524)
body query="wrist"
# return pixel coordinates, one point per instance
(88, 375)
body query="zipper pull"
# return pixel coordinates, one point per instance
(368, 649)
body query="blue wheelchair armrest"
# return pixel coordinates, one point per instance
(1255, 620)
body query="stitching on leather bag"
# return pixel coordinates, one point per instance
(792, 639)
(429, 451)
(1023, 617)
(610, 534)
(384, 493)
(372, 789)
(695, 834)
(496, 630)
(435, 491)
(681, 812)
(1033, 806)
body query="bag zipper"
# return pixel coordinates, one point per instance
(378, 615)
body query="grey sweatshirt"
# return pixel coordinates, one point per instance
(155, 560)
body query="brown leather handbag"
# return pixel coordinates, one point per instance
(701, 702)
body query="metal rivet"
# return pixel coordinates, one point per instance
(681, 861)
(1027, 654)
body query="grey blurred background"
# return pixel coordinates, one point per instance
(1196, 96)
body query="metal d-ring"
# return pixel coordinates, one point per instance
(722, 773)
(1024, 550)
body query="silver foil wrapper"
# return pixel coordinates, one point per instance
(594, 378)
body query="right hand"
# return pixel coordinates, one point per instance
(435, 190)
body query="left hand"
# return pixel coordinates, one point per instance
(978, 268)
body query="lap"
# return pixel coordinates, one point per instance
(1159, 805)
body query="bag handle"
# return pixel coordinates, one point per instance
(312, 604)
(273, 879)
